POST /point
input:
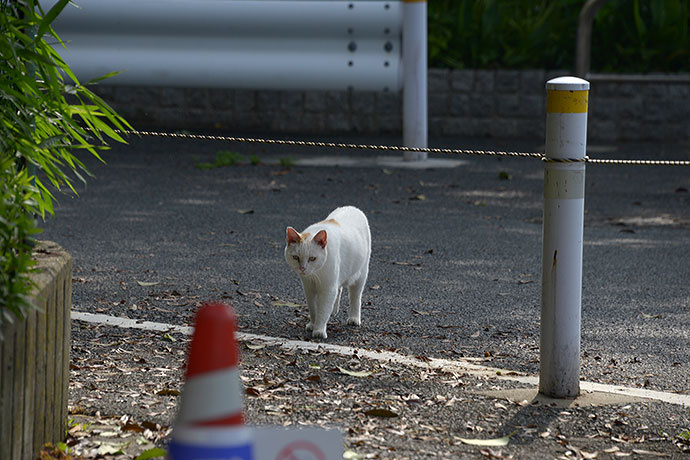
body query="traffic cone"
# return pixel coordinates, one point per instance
(210, 420)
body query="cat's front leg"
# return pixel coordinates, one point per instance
(310, 294)
(324, 308)
(355, 297)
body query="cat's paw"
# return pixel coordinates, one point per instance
(319, 334)
(354, 322)
(309, 326)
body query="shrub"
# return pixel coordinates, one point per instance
(627, 36)
(46, 114)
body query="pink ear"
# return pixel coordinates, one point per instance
(320, 238)
(292, 236)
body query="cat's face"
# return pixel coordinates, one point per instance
(306, 254)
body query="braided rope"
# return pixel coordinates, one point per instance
(394, 148)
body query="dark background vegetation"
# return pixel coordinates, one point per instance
(628, 36)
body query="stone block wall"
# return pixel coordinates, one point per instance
(501, 104)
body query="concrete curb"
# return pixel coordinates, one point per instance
(592, 393)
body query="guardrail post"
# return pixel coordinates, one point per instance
(414, 67)
(564, 198)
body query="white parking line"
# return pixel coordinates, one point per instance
(387, 356)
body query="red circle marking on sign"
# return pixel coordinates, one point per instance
(292, 451)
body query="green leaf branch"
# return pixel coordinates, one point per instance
(47, 118)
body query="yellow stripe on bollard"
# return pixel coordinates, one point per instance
(560, 101)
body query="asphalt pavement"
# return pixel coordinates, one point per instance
(456, 260)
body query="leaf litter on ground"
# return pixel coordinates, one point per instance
(394, 411)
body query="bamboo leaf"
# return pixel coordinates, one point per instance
(103, 77)
(50, 17)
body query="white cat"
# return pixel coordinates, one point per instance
(328, 256)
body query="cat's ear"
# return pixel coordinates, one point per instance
(320, 238)
(292, 236)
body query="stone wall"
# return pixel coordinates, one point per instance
(501, 104)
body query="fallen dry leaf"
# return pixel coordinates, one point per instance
(649, 452)
(381, 413)
(496, 442)
(251, 391)
(287, 304)
(355, 373)
(645, 315)
(147, 283)
(490, 453)
(168, 392)
(110, 449)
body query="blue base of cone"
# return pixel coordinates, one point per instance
(181, 451)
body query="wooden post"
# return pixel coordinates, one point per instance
(34, 362)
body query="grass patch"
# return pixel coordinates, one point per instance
(287, 162)
(224, 158)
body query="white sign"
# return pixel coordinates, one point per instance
(297, 444)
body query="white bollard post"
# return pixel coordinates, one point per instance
(414, 68)
(564, 198)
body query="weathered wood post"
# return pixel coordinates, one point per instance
(34, 362)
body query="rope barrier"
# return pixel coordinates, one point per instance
(639, 162)
(394, 148)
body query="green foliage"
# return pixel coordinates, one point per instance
(156, 452)
(46, 115)
(684, 436)
(628, 36)
(16, 228)
(682, 441)
(287, 162)
(642, 36)
(505, 33)
(254, 160)
(223, 158)
(228, 158)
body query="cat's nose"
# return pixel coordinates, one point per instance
(302, 269)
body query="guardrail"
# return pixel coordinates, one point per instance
(256, 44)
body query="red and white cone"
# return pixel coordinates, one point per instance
(210, 421)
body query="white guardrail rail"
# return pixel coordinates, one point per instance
(255, 44)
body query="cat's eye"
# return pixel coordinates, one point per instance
(296, 258)
(312, 259)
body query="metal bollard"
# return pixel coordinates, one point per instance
(564, 198)
(414, 65)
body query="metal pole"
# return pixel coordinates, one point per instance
(583, 46)
(414, 57)
(564, 198)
